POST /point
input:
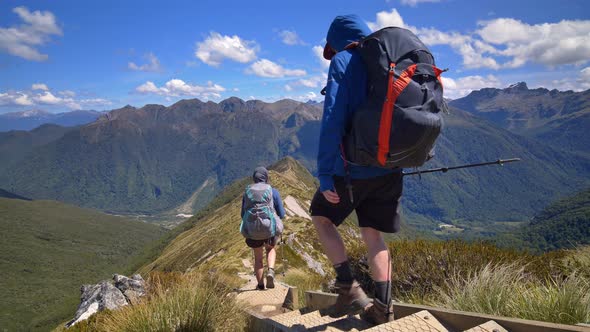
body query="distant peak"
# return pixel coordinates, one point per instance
(31, 113)
(518, 86)
(232, 100)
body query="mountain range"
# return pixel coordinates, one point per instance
(28, 120)
(155, 158)
(554, 117)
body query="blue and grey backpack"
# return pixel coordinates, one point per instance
(260, 220)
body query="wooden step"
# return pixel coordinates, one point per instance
(489, 326)
(420, 321)
(313, 321)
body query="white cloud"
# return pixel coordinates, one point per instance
(95, 102)
(290, 37)
(319, 53)
(414, 3)
(460, 87)
(387, 19)
(288, 88)
(308, 96)
(67, 93)
(46, 97)
(267, 68)
(23, 40)
(177, 88)
(39, 86)
(15, 98)
(551, 44)
(153, 64)
(579, 83)
(313, 81)
(216, 48)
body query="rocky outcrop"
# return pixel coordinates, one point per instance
(108, 295)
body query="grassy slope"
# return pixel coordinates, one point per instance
(49, 249)
(564, 224)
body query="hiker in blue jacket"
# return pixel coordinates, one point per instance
(261, 175)
(375, 193)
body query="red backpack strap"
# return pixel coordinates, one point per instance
(394, 89)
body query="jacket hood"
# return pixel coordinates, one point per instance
(346, 29)
(260, 175)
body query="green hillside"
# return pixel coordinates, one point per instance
(473, 198)
(564, 224)
(156, 159)
(49, 249)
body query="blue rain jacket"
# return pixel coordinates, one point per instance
(345, 91)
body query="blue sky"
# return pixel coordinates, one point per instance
(65, 55)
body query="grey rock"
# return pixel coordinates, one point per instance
(132, 288)
(97, 298)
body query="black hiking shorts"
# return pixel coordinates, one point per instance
(259, 243)
(376, 202)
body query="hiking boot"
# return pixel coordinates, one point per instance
(260, 287)
(351, 299)
(270, 279)
(378, 313)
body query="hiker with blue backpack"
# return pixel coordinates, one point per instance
(381, 114)
(262, 214)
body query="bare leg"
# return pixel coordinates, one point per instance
(330, 239)
(271, 256)
(258, 264)
(379, 260)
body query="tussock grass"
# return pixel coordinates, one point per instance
(507, 290)
(483, 278)
(176, 302)
(565, 301)
(491, 290)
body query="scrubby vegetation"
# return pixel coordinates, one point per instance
(176, 302)
(483, 278)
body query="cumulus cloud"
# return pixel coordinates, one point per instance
(39, 86)
(387, 19)
(290, 37)
(67, 93)
(36, 30)
(45, 97)
(311, 82)
(15, 98)
(177, 88)
(460, 87)
(414, 3)
(307, 96)
(550, 44)
(153, 64)
(319, 53)
(215, 48)
(581, 82)
(267, 68)
(288, 88)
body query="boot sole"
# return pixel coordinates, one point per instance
(270, 282)
(356, 307)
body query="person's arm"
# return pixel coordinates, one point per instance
(278, 203)
(242, 212)
(333, 123)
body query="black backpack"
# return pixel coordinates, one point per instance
(398, 124)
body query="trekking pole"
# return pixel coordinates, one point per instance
(500, 162)
(283, 256)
